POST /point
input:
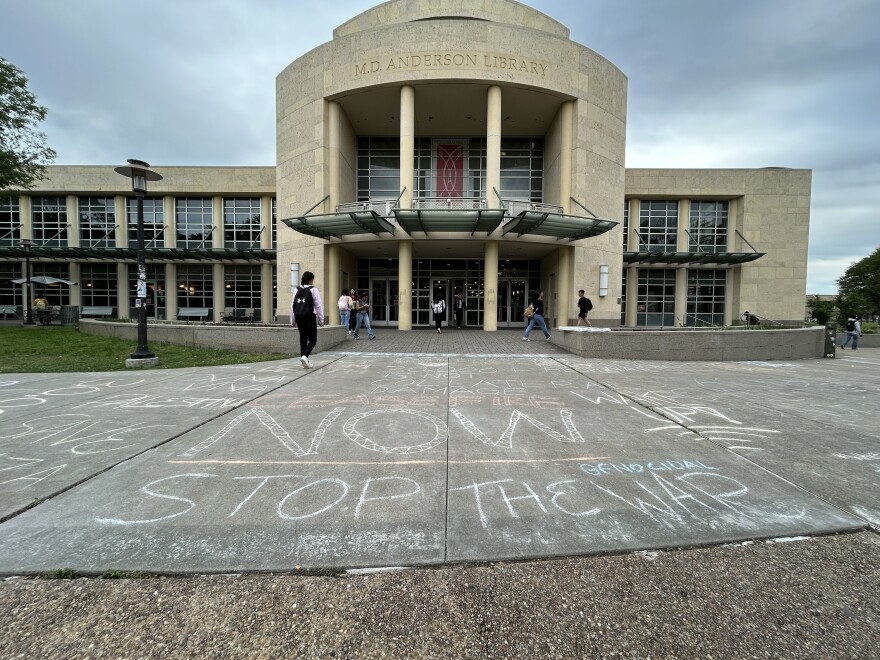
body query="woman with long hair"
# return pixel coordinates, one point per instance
(537, 317)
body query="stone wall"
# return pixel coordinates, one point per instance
(245, 338)
(696, 345)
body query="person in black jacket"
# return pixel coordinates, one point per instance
(537, 317)
(584, 307)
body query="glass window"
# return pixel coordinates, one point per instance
(707, 227)
(623, 299)
(195, 286)
(658, 224)
(705, 297)
(155, 290)
(274, 223)
(626, 225)
(10, 293)
(154, 221)
(378, 168)
(194, 218)
(10, 221)
(522, 169)
(49, 221)
(98, 285)
(97, 222)
(655, 305)
(56, 294)
(243, 288)
(241, 222)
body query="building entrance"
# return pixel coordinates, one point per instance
(512, 301)
(383, 301)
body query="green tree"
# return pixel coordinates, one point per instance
(859, 286)
(23, 150)
(821, 310)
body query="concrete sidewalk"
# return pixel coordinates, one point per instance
(419, 449)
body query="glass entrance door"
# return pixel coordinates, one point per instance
(440, 290)
(512, 301)
(383, 301)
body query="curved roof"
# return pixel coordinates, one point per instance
(396, 12)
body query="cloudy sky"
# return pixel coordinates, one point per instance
(712, 83)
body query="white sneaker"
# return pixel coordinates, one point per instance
(304, 361)
(348, 333)
(526, 339)
(547, 338)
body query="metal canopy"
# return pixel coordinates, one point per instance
(448, 220)
(130, 254)
(674, 258)
(557, 225)
(337, 225)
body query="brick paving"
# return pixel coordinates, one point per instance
(451, 341)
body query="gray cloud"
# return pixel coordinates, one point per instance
(711, 84)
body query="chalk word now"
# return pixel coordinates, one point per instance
(438, 431)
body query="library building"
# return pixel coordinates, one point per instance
(428, 150)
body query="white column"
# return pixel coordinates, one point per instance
(565, 283)
(490, 287)
(266, 309)
(334, 285)
(171, 290)
(632, 293)
(566, 125)
(404, 284)
(73, 220)
(170, 230)
(493, 148)
(217, 219)
(219, 292)
(121, 221)
(681, 282)
(123, 293)
(334, 132)
(407, 144)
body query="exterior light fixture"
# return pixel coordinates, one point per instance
(139, 172)
(26, 246)
(603, 280)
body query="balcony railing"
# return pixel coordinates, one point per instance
(384, 207)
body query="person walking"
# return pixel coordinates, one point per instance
(537, 317)
(345, 305)
(306, 313)
(584, 306)
(363, 317)
(353, 319)
(853, 331)
(439, 312)
(458, 309)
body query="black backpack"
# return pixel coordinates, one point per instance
(303, 303)
(589, 304)
(850, 325)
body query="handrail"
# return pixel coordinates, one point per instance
(698, 319)
(746, 240)
(584, 208)
(210, 234)
(751, 319)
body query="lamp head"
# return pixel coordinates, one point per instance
(139, 172)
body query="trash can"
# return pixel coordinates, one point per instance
(830, 340)
(69, 314)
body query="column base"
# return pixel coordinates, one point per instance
(141, 363)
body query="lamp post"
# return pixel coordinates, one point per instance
(139, 172)
(26, 245)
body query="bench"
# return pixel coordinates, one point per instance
(193, 313)
(9, 310)
(238, 315)
(98, 311)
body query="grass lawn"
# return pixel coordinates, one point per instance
(47, 349)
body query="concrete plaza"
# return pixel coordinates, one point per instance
(420, 449)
